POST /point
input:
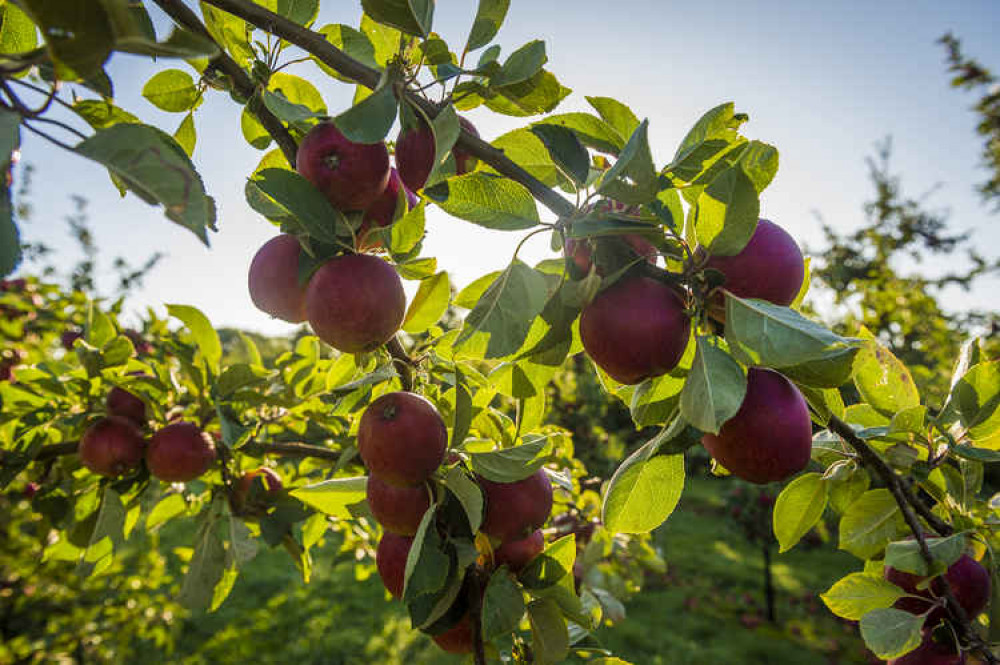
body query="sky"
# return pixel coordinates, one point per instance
(823, 82)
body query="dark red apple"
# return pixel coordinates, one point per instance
(770, 437)
(578, 249)
(770, 267)
(112, 446)
(274, 279)
(930, 652)
(381, 212)
(968, 579)
(69, 337)
(355, 302)
(397, 509)
(464, 161)
(515, 510)
(517, 553)
(269, 485)
(350, 175)
(415, 155)
(180, 452)
(122, 403)
(635, 329)
(7, 370)
(457, 639)
(390, 560)
(402, 438)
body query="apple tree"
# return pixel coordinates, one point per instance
(663, 275)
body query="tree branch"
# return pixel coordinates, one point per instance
(185, 17)
(404, 363)
(317, 45)
(477, 588)
(283, 449)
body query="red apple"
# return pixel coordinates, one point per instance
(355, 302)
(390, 560)
(274, 279)
(415, 155)
(69, 337)
(968, 579)
(269, 485)
(770, 437)
(517, 553)
(578, 249)
(122, 403)
(397, 509)
(112, 446)
(635, 329)
(402, 438)
(457, 639)
(515, 510)
(180, 452)
(381, 212)
(770, 267)
(930, 652)
(350, 175)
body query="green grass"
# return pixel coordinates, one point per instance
(707, 608)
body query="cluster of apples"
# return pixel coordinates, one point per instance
(639, 327)
(354, 302)
(403, 441)
(115, 445)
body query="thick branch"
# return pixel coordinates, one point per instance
(185, 17)
(282, 449)
(317, 45)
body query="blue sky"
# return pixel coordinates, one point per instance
(821, 81)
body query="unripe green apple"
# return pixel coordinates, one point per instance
(273, 279)
(397, 509)
(179, 452)
(515, 510)
(770, 437)
(635, 329)
(350, 175)
(355, 302)
(402, 438)
(112, 446)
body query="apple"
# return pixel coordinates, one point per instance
(770, 437)
(930, 652)
(515, 510)
(268, 486)
(770, 267)
(402, 438)
(415, 154)
(68, 338)
(968, 579)
(457, 639)
(274, 279)
(390, 560)
(579, 250)
(635, 329)
(350, 175)
(121, 402)
(180, 452)
(355, 302)
(142, 347)
(397, 509)
(112, 446)
(517, 553)
(7, 370)
(381, 212)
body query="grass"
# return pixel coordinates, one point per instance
(707, 608)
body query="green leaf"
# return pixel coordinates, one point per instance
(180, 44)
(208, 564)
(302, 201)
(566, 150)
(253, 131)
(107, 535)
(352, 42)
(333, 497)
(228, 31)
(489, 18)
(487, 200)
(201, 330)
(643, 492)
(871, 523)
(302, 12)
(591, 130)
(855, 595)
(186, 135)
(906, 556)
(539, 94)
(468, 493)
(618, 116)
(414, 17)
(527, 151)
(719, 123)
(726, 213)
(760, 162)
(446, 129)
(463, 409)
(510, 465)
(521, 65)
(297, 115)
(157, 169)
(552, 566)
(407, 231)
(427, 565)
(503, 605)
(632, 178)
(370, 120)
(17, 32)
(549, 635)
(976, 398)
(429, 304)
(798, 508)
(506, 310)
(79, 34)
(101, 113)
(891, 633)
(172, 90)
(715, 387)
(10, 238)
(883, 381)
(165, 510)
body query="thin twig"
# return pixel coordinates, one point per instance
(404, 363)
